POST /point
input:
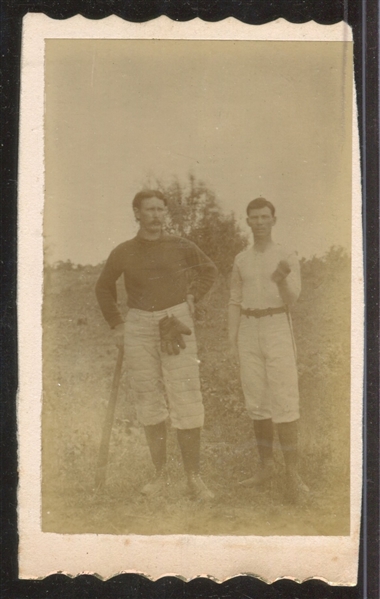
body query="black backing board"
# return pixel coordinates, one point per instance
(362, 15)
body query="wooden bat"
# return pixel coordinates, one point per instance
(101, 468)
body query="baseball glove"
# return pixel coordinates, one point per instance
(171, 331)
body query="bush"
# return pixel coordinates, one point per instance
(196, 214)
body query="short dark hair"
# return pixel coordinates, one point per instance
(261, 203)
(146, 194)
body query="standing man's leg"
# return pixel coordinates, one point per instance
(283, 383)
(156, 438)
(264, 439)
(263, 431)
(189, 441)
(257, 399)
(143, 365)
(288, 435)
(182, 383)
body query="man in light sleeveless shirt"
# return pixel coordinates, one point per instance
(164, 275)
(265, 283)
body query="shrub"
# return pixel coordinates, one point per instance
(196, 214)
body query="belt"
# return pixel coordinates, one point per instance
(266, 312)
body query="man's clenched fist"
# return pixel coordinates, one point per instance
(281, 272)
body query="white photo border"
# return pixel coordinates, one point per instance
(332, 559)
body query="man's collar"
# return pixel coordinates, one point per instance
(142, 239)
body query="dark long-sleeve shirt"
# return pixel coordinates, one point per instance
(158, 274)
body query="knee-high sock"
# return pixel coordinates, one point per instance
(189, 441)
(156, 438)
(288, 435)
(264, 438)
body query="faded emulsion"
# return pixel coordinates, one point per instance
(230, 407)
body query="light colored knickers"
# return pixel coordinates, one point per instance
(268, 368)
(163, 385)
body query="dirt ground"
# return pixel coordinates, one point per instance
(121, 509)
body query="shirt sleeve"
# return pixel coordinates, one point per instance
(236, 287)
(106, 291)
(201, 270)
(293, 279)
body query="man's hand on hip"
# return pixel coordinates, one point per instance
(118, 335)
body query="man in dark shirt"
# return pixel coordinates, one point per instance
(164, 275)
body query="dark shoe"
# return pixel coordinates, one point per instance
(155, 486)
(264, 475)
(198, 489)
(296, 491)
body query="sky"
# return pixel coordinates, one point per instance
(249, 119)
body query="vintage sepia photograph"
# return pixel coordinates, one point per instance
(196, 304)
(191, 318)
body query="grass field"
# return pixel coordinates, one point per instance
(79, 359)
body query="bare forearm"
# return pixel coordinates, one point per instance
(288, 295)
(287, 278)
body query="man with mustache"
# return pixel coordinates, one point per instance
(265, 282)
(164, 276)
